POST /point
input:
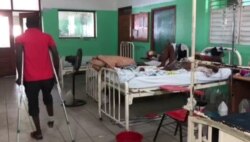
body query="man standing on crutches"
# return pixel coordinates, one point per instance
(37, 71)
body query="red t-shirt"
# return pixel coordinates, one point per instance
(37, 63)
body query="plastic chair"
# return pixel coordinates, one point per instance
(179, 115)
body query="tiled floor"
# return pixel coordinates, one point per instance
(84, 121)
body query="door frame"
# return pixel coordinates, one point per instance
(11, 57)
(29, 14)
(8, 59)
(7, 55)
(124, 11)
(10, 15)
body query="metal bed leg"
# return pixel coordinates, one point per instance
(126, 112)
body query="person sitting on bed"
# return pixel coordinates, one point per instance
(167, 56)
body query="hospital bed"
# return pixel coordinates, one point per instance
(111, 89)
(200, 129)
(113, 85)
(126, 49)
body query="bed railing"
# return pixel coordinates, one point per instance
(201, 130)
(127, 49)
(228, 50)
(110, 94)
(91, 83)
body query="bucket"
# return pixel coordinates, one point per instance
(129, 136)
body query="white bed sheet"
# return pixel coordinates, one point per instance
(152, 77)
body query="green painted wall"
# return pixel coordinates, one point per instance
(183, 24)
(107, 30)
(203, 29)
(184, 27)
(105, 43)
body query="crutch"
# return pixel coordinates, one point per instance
(21, 92)
(60, 95)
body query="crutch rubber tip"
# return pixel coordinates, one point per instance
(73, 140)
(100, 118)
(50, 124)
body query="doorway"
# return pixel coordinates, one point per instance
(12, 24)
(7, 56)
(124, 25)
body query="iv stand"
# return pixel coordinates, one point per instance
(233, 36)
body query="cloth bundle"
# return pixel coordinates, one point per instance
(111, 62)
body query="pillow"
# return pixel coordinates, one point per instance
(109, 61)
(116, 61)
(97, 68)
(97, 62)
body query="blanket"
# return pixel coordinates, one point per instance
(111, 62)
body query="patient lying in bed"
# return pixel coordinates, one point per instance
(169, 62)
(186, 64)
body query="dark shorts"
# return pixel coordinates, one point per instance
(32, 89)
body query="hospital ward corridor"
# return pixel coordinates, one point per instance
(124, 70)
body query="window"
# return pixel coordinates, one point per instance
(222, 22)
(221, 25)
(140, 27)
(25, 4)
(20, 5)
(5, 4)
(244, 36)
(76, 24)
(5, 33)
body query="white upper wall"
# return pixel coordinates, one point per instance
(138, 3)
(123, 3)
(80, 4)
(97, 4)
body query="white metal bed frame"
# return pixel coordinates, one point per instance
(229, 50)
(127, 49)
(200, 130)
(109, 92)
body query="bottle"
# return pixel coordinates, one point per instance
(223, 109)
